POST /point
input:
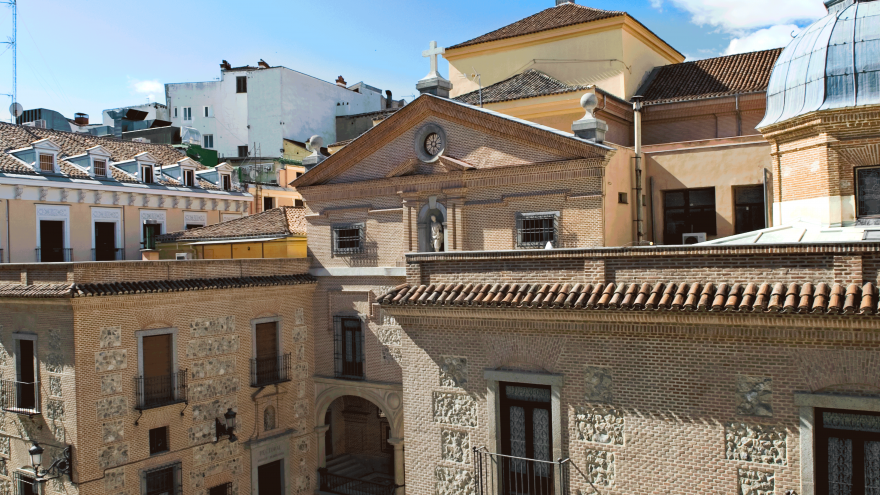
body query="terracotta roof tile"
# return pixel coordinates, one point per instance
(567, 14)
(283, 221)
(528, 84)
(752, 297)
(720, 76)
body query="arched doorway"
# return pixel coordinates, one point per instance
(360, 437)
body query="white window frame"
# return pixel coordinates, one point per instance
(222, 186)
(205, 141)
(152, 216)
(99, 153)
(183, 175)
(279, 329)
(207, 111)
(175, 112)
(187, 112)
(108, 215)
(54, 213)
(143, 175)
(46, 147)
(40, 155)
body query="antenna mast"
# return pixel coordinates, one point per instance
(14, 43)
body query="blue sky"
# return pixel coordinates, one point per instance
(88, 55)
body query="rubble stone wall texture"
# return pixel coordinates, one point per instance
(213, 345)
(648, 407)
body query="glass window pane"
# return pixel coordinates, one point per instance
(868, 184)
(702, 197)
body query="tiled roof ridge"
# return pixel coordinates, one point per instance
(497, 34)
(724, 297)
(732, 55)
(489, 95)
(148, 287)
(78, 135)
(282, 212)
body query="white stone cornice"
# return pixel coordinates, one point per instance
(91, 185)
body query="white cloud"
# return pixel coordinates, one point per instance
(147, 88)
(733, 16)
(762, 39)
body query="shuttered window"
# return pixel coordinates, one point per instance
(267, 340)
(100, 168)
(47, 163)
(158, 358)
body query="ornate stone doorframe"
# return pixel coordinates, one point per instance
(807, 403)
(386, 396)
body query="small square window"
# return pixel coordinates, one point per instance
(100, 168)
(621, 198)
(241, 84)
(242, 151)
(348, 239)
(298, 203)
(47, 163)
(159, 440)
(535, 230)
(224, 489)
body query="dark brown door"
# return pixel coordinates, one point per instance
(352, 348)
(105, 241)
(525, 438)
(267, 352)
(158, 368)
(51, 241)
(27, 390)
(270, 479)
(847, 452)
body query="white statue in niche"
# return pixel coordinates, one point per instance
(436, 234)
(269, 418)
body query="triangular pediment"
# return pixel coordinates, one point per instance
(470, 139)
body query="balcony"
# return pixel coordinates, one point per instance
(117, 254)
(270, 370)
(54, 255)
(342, 485)
(499, 474)
(158, 391)
(20, 397)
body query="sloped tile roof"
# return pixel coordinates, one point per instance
(123, 288)
(753, 297)
(567, 14)
(283, 221)
(741, 73)
(528, 84)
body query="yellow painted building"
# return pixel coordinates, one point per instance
(275, 233)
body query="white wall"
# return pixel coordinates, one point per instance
(280, 103)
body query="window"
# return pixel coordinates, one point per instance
(621, 198)
(269, 365)
(348, 239)
(226, 182)
(224, 489)
(51, 248)
(268, 203)
(298, 202)
(748, 208)
(175, 112)
(349, 347)
(163, 480)
(100, 168)
(159, 383)
(535, 230)
(868, 192)
(384, 435)
(159, 440)
(298, 175)
(187, 113)
(242, 151)
(241, 84)
(151, 231)
(686, 211)
(22, 394)
(847, 451)
(147, 174)
(206, 111)
(526, 432)
(208, 140)
(47, 163)
(189, 178)
(25, 484)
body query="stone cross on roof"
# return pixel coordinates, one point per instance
(432, 53)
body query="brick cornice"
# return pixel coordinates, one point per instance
(426, 105)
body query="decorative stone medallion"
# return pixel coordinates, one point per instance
(598, 384)
(754, 395)
(455, 409)
(599, 425)
(453, 371)
(755, 443)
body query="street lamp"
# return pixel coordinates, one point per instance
(58, 467)
(225, 428)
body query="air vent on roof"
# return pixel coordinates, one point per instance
(40, 124)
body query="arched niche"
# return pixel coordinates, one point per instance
(432, 207)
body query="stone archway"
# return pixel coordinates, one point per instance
(387, 397)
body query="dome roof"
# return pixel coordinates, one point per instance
(834, 63)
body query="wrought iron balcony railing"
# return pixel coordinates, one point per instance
(54, 255)
(270, 370)
(99, 254)
(158, 391)
(20, 397)
(334, 483)
(499, 474)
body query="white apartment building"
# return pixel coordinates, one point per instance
(251, 110)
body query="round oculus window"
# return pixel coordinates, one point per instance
(433, 144)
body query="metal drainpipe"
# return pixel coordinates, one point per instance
(637, 124)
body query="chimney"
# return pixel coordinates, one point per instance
(224, 65)
(589, 127)
(262, 63)
(340, 81)
(81, 118)
(388, 98)
(314, 145)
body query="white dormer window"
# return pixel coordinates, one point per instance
(100, 168)
(189, 178)
(147, 174)
(226, 182)
(47, 163)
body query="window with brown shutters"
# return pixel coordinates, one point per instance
(100, 168)
(47, 163)
(269, 365)
(160, 384)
